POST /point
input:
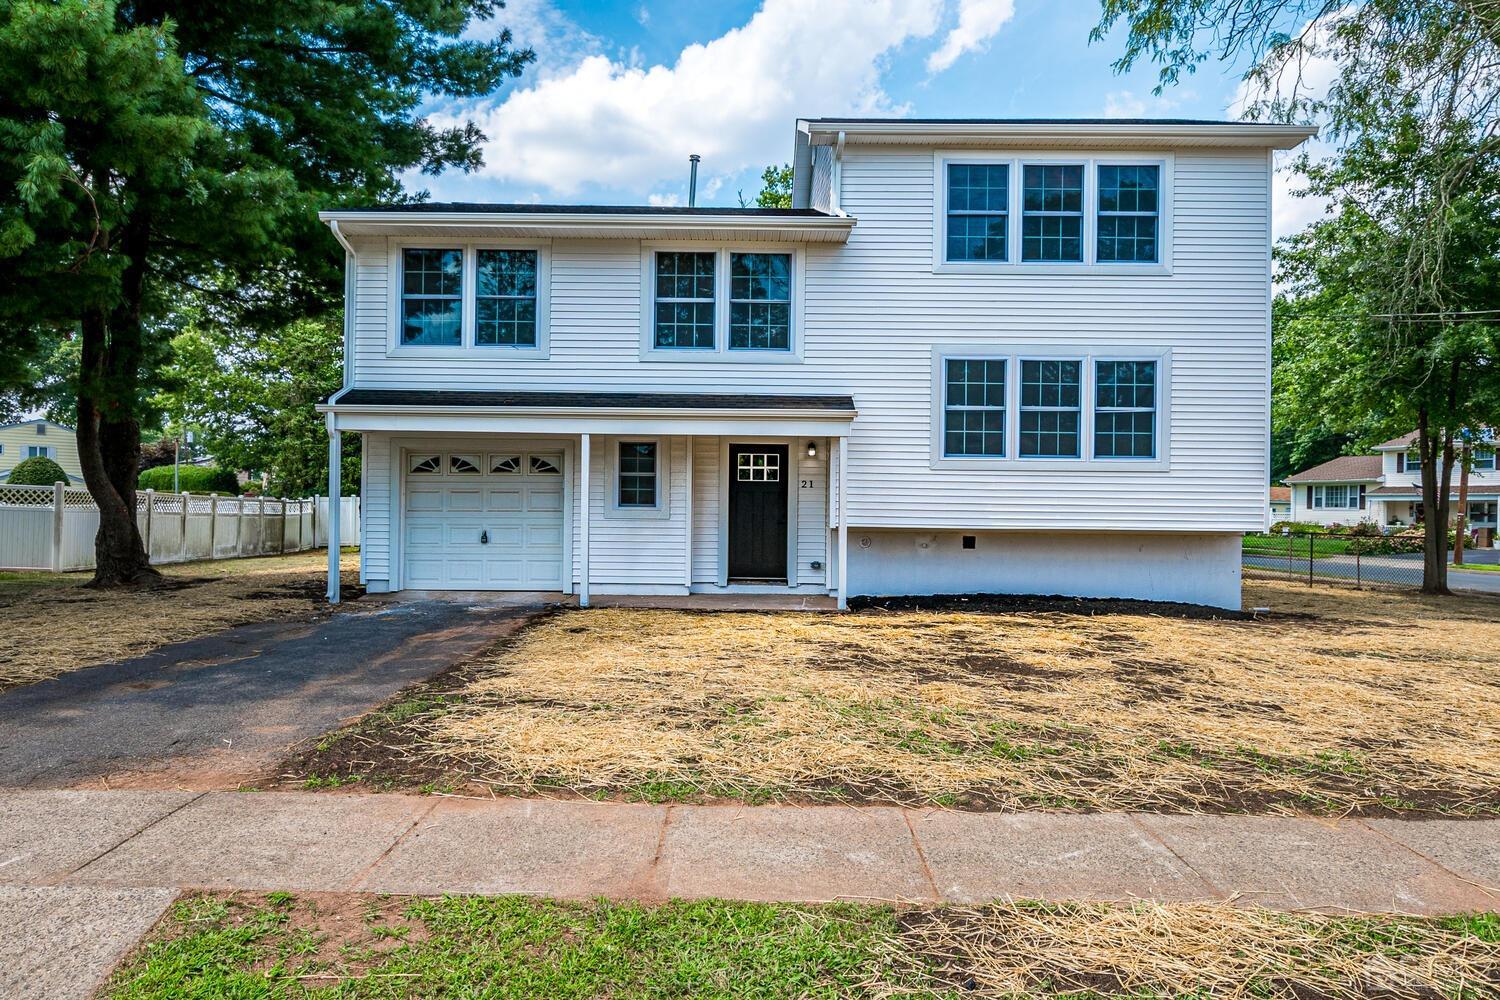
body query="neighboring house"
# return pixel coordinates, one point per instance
(972, 357)
(30, 438)
(1281, 503)
(1386, 488)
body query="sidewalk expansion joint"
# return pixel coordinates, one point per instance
(416, 821)
(57, 880)
(1488, 890)
(1213, 886)
(916, 844)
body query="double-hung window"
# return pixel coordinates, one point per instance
(760, 301)
(40, 451)
(637, 475)
(1484, 460)
(978, 211)
(685, 295)
(1125, 409)
(720, 303)
(1051, 408)
(1052, 212)
(505, 298)
(1341, 497)
(974, 407)
(431, 297)
(1129, 200)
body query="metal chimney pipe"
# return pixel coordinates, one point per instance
(693, 180)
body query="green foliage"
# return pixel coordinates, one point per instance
(190, 479)
(775, 187)
(37, 471)
(253, 393)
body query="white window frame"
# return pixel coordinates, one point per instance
(720, 353)
(1093, 408)
(1017, 161)
(663, 508)
(467, 348)
(1086, 355)
(1351, 496)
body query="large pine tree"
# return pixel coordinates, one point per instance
(149, 147)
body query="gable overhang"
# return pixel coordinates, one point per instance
(706, 226)
(1041, 134)
(572, 413)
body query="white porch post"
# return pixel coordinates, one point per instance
(687, 548)
(335, 490)
(583, 521)
(843, 510)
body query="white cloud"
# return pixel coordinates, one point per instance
(643, 15)
(1123, 104)
(664, 200)
(733, 99)
(978, 21)
(1127, 104)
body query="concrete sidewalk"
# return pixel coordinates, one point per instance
(431, 845)
(84, 874)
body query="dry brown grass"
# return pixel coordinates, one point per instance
(50, 624)
(1021, 951)
(1340, 701)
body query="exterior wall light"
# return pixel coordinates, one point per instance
(812, 449)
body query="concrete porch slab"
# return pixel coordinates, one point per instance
(792, 854)
(46, 835)
(537, 847)
(61, 942)
(261, 840)
(977, 857)
(1332, 865)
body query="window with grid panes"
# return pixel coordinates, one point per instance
(1129, 212)
(760, 301)
(1051, 408)
(637, 474)
(1052, 212)
(978, 211)
(431, 297)
(505, 298)
(684, 300)
(974, 407)
(1125, 409)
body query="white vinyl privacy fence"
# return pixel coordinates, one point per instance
(53, 527)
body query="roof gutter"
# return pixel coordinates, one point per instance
(575, 219)
(669, 412)
(836, 132)
(333, 227)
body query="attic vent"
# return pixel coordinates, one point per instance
(41, 428)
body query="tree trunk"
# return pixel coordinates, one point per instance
(1435, 529)
(109, 435)
(1461, 522)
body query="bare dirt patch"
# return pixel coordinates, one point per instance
(53, 624)
(1337, 702)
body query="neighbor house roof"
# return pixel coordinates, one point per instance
(1344, 469)
(1281, 494)
(38, 420)
(1401, 443)
(1415, 492)
(445, 398)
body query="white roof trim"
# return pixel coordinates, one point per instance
(1075, 134)
(601, 225)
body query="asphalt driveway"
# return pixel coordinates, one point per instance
(217, 711)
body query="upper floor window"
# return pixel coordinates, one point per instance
(974, 407)
(1052, 212)
(685, 292)
(471, 295)
(1128, 207)
(978, 211)
(432, 297)
(40, 451)
(720, 305)
(1484, 460)
(505, 298)
(1414, 461)
(760, 301)
(1125, 409)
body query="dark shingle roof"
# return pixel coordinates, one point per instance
(1344, 469)
(481, 207)
(592, 400)
(1029, 121)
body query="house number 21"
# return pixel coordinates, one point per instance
(807, 484)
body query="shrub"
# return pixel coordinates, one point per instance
(37, 471)
(1297, 528)
(191, 479)
(1365, 529)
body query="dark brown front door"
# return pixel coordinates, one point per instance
(757, 511)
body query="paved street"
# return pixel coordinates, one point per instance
(1405, 569)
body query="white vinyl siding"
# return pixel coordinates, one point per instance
(872, 312)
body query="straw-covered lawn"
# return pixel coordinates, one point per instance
(1337, 701)
(51, 624)
(281, 945)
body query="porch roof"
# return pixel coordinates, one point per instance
(576, 411)
(1476, 492)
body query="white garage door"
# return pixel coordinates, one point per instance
(490, 520)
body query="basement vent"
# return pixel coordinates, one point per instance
(970, 541)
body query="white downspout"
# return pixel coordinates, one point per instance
(583, 521)
(836, 196)
(843, 524)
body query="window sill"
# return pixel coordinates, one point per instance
(496, 352)
(614, 512)
(1090, 465)
(1023, 269)
(703, 355)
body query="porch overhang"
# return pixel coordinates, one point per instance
(566, 413)
(595, 222)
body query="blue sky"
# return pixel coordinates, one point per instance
(624, 90)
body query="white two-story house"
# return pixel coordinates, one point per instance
(976, 356)
(1386, 488)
